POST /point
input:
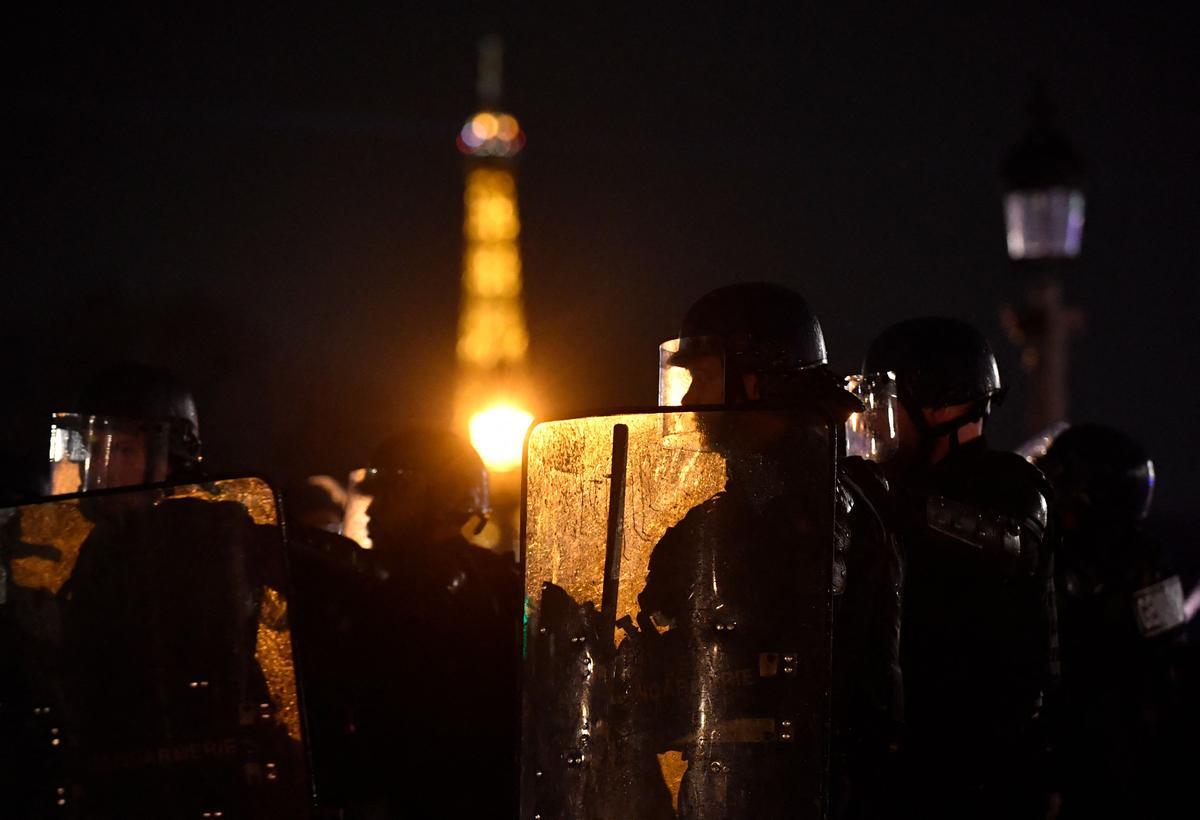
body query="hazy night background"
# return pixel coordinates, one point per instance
(271, 204)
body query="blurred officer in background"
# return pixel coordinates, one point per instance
(1121, 622)
(431, 643)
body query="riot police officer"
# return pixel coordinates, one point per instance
(330, 575)
(977, 651)
(132, 424)
(155, 630)
(436, 638)
(758, 347)
(1121, 622)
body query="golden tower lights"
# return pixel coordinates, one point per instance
(491, 401)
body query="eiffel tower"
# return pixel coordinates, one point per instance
(491, 396)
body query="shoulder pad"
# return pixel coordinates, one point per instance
(864, 480)
(985, 529)
(863, 473)
(697, 518)
(995, 502)
(1010, 468)
(995, 481)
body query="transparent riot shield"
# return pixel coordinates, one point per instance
(678, 582)
(146, 659)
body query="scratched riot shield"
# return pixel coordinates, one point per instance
(145, 657)
(678, 582)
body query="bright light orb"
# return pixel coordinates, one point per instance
(498, 434)
(485, 125)
(491, 134)
(468, 138)
(507, 128)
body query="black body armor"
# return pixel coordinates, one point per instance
(979, 642)
(865, 582)
(411, 664)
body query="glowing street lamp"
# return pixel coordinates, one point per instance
(1043, 219)
(498, 433)
(1043, 199)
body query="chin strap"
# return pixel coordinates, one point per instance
(930, 433)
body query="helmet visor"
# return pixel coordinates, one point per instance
(691, 371)
(354, 517)
(97, 452)
(871, 433)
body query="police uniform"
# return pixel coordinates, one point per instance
(978, 639)
(759, 552)
(760, 549)
(412, 646)
(1122, 620)
(978, 631)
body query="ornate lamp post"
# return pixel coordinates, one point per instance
(1044, 218)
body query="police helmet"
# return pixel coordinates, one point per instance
(146, 394)
(1102, 472)
(448, 467)
(937, 362)
(766, 327)
(757, 328)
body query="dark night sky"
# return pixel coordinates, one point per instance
(271, 204)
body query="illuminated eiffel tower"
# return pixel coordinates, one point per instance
(491, 399)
